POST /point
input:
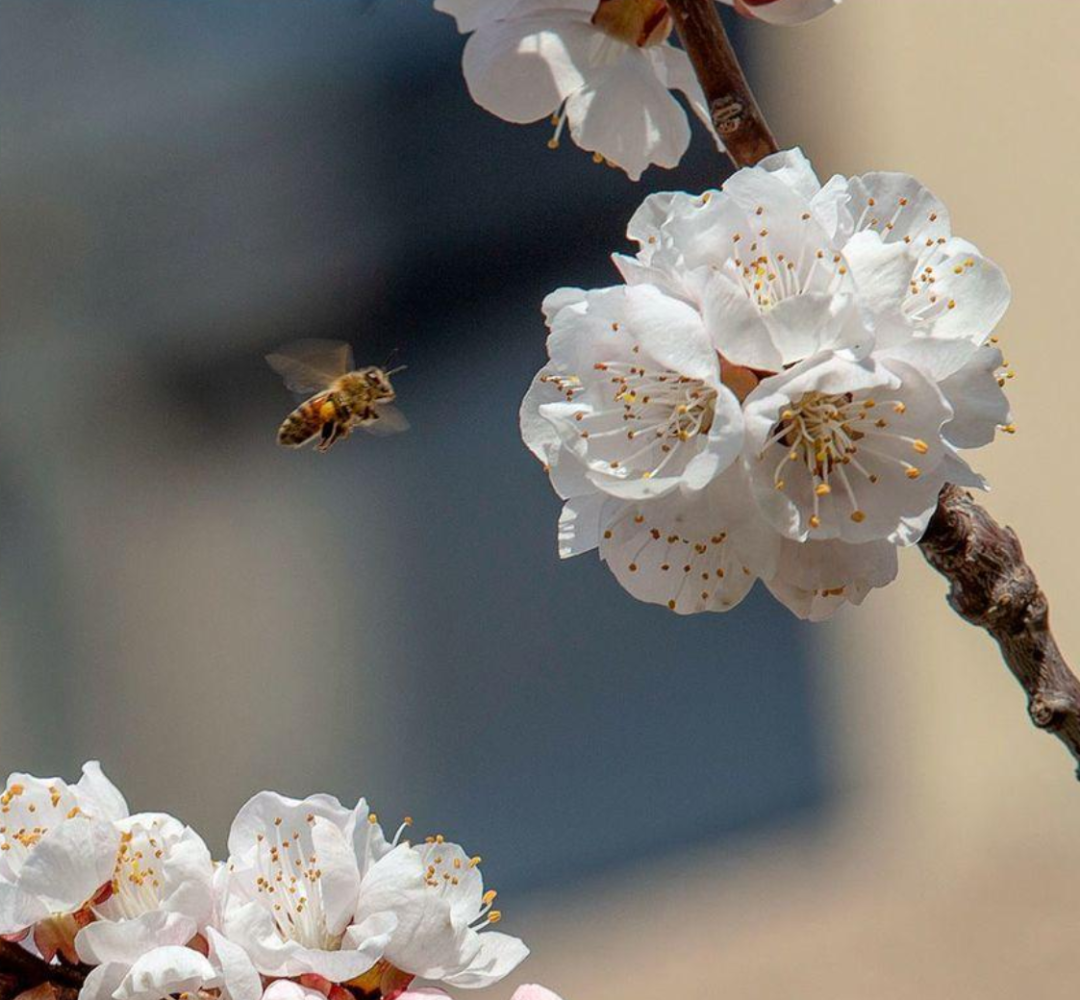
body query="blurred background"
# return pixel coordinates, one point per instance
(737, 805)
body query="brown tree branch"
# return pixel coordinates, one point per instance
(734, 112)
(993, 588)
(20, 971)
(990, 584)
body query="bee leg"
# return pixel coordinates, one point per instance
(327, 436)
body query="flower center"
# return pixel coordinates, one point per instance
(653, 413)
(819, 434)
(635, 22)
(136, 882)
(288, 881)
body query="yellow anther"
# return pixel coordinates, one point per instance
(920, 446)
(858, 516)
(823, 489)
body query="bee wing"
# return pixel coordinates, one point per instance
(388, 420)
(311, 365)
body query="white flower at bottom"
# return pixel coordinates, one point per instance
(225, 973)
(436, 892)
(161, 892)
(58, 848)
(292, 887)
(604, 66)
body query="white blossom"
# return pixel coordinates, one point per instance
(443, 915)
(838, 334)
(605, 68)
(161, 892)
(225, 972)
(293, 885)
(58, 849)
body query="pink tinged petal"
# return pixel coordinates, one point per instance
(165, 971)
(533, 992)
(815, 579)
(103, 799)
(238, 974)
(524, 69)
(286, 989)
(498, 956)
(783, 12)
(898, 207)
(126, 940)
(626, 114)
(979, 405)
(68, 866)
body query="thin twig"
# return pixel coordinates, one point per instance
(734, 112)
(21, 971)
(990, 584)
(993, 588)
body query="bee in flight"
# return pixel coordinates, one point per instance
(344, 396)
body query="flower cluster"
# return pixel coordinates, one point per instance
(606, 68)
(777, 391)
(313, 902)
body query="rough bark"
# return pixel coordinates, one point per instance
(734, 112)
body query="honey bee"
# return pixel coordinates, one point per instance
(344, 396)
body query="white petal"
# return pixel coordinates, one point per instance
(165, 971)
(901, 207)
(498, 956)
(815, 579)
(18, 909)
(70, 864)
(522, 70)
(238, 974)
(259, 813)
(103, 798)
(127, 940)
(979, 405)
(626, 114)
(101, 983)
(579, 524)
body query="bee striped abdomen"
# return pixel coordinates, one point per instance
(307, 420)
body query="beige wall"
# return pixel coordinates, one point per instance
(953, 868)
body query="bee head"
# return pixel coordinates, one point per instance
(378, 383)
